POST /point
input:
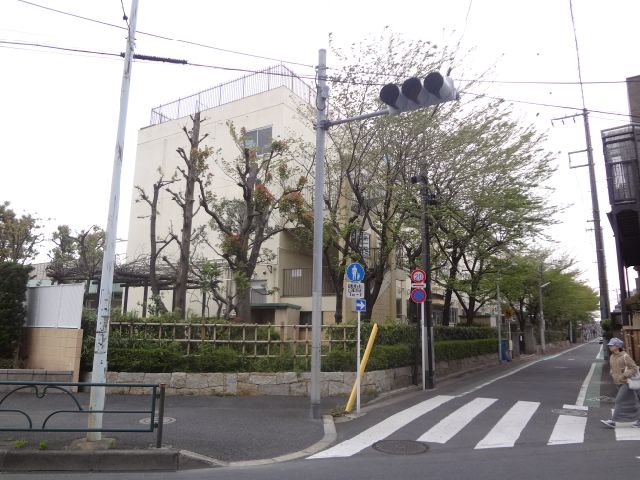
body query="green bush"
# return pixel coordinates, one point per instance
(384, 357)
(339, 361)
(127, 355)
(463, 333)
(209, 359)
(553, 336)
(13, 295)
(457, 349)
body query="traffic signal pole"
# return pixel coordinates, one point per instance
(427, 320)
(414, 94)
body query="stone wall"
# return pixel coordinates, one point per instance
(260, 383)
(292, 383)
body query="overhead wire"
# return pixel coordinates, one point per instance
(164, 37)
(285, 74)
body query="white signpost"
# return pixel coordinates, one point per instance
(355, 289)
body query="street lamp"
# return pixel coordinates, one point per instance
(542, 345)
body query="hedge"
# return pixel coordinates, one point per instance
(457, 349)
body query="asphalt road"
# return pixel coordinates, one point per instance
(538, 420)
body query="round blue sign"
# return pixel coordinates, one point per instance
(355, 272)
(418, 295)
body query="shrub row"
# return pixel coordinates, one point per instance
(457, 349)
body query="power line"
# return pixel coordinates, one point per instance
(150, 58)
(163, 37)
(53, 47)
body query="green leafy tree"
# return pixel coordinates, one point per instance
(13, 292)
(19, 236)
(270, 201)
(77, 255)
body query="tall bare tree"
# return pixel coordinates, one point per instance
(157, 245)
(194, 166)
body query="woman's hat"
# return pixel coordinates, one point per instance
(616, 342)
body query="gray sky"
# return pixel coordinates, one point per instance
(60, 108)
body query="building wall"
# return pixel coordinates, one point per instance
(53, 349)
(633, 93)
(279, 109)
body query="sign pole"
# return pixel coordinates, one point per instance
(358, 369)
(424, 350)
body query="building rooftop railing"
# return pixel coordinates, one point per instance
(252, 84)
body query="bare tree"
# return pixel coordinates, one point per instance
(194, 166)
(157, 245)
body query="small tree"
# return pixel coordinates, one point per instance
(13, 293)
(78, 255)
(157, 245)
(19, 236)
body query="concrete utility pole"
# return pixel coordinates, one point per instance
(99, 374)
(318, 221)
(602, 264)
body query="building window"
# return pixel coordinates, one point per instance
(259, 140)
(621, 179)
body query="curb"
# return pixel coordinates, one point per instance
(102, 460)
(162, 459)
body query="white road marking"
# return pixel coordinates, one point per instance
(568, 429)
(456, 421)
(624, 431)
(383, 429)
(506, 432)
(583, 389)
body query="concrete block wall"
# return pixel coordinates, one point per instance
(53, 349)
(33, 375)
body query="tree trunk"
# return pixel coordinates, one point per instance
(243, 305)
(182, 272)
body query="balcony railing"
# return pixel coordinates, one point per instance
(253, 84)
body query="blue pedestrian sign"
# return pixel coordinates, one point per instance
(361, 305)
(355, 272)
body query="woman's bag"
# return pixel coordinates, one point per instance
(634, 381)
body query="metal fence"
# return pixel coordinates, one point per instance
(12, 398)
(252, 84)
(252, 340)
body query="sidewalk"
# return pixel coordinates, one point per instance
(199, 431)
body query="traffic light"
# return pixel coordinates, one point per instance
(414, 93)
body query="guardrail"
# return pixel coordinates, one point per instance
(41, 389)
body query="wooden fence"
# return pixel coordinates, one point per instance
(252, 340)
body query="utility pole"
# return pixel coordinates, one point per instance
(99, 373)
(603, 284)
(602, 267)
(318, 222)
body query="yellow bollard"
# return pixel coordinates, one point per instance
(363, 364)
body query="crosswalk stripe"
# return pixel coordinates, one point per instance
(456, 421)
(382, 430)
(568, 429)
(627, 432)
(506, 432)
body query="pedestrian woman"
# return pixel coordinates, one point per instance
(622, 366)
